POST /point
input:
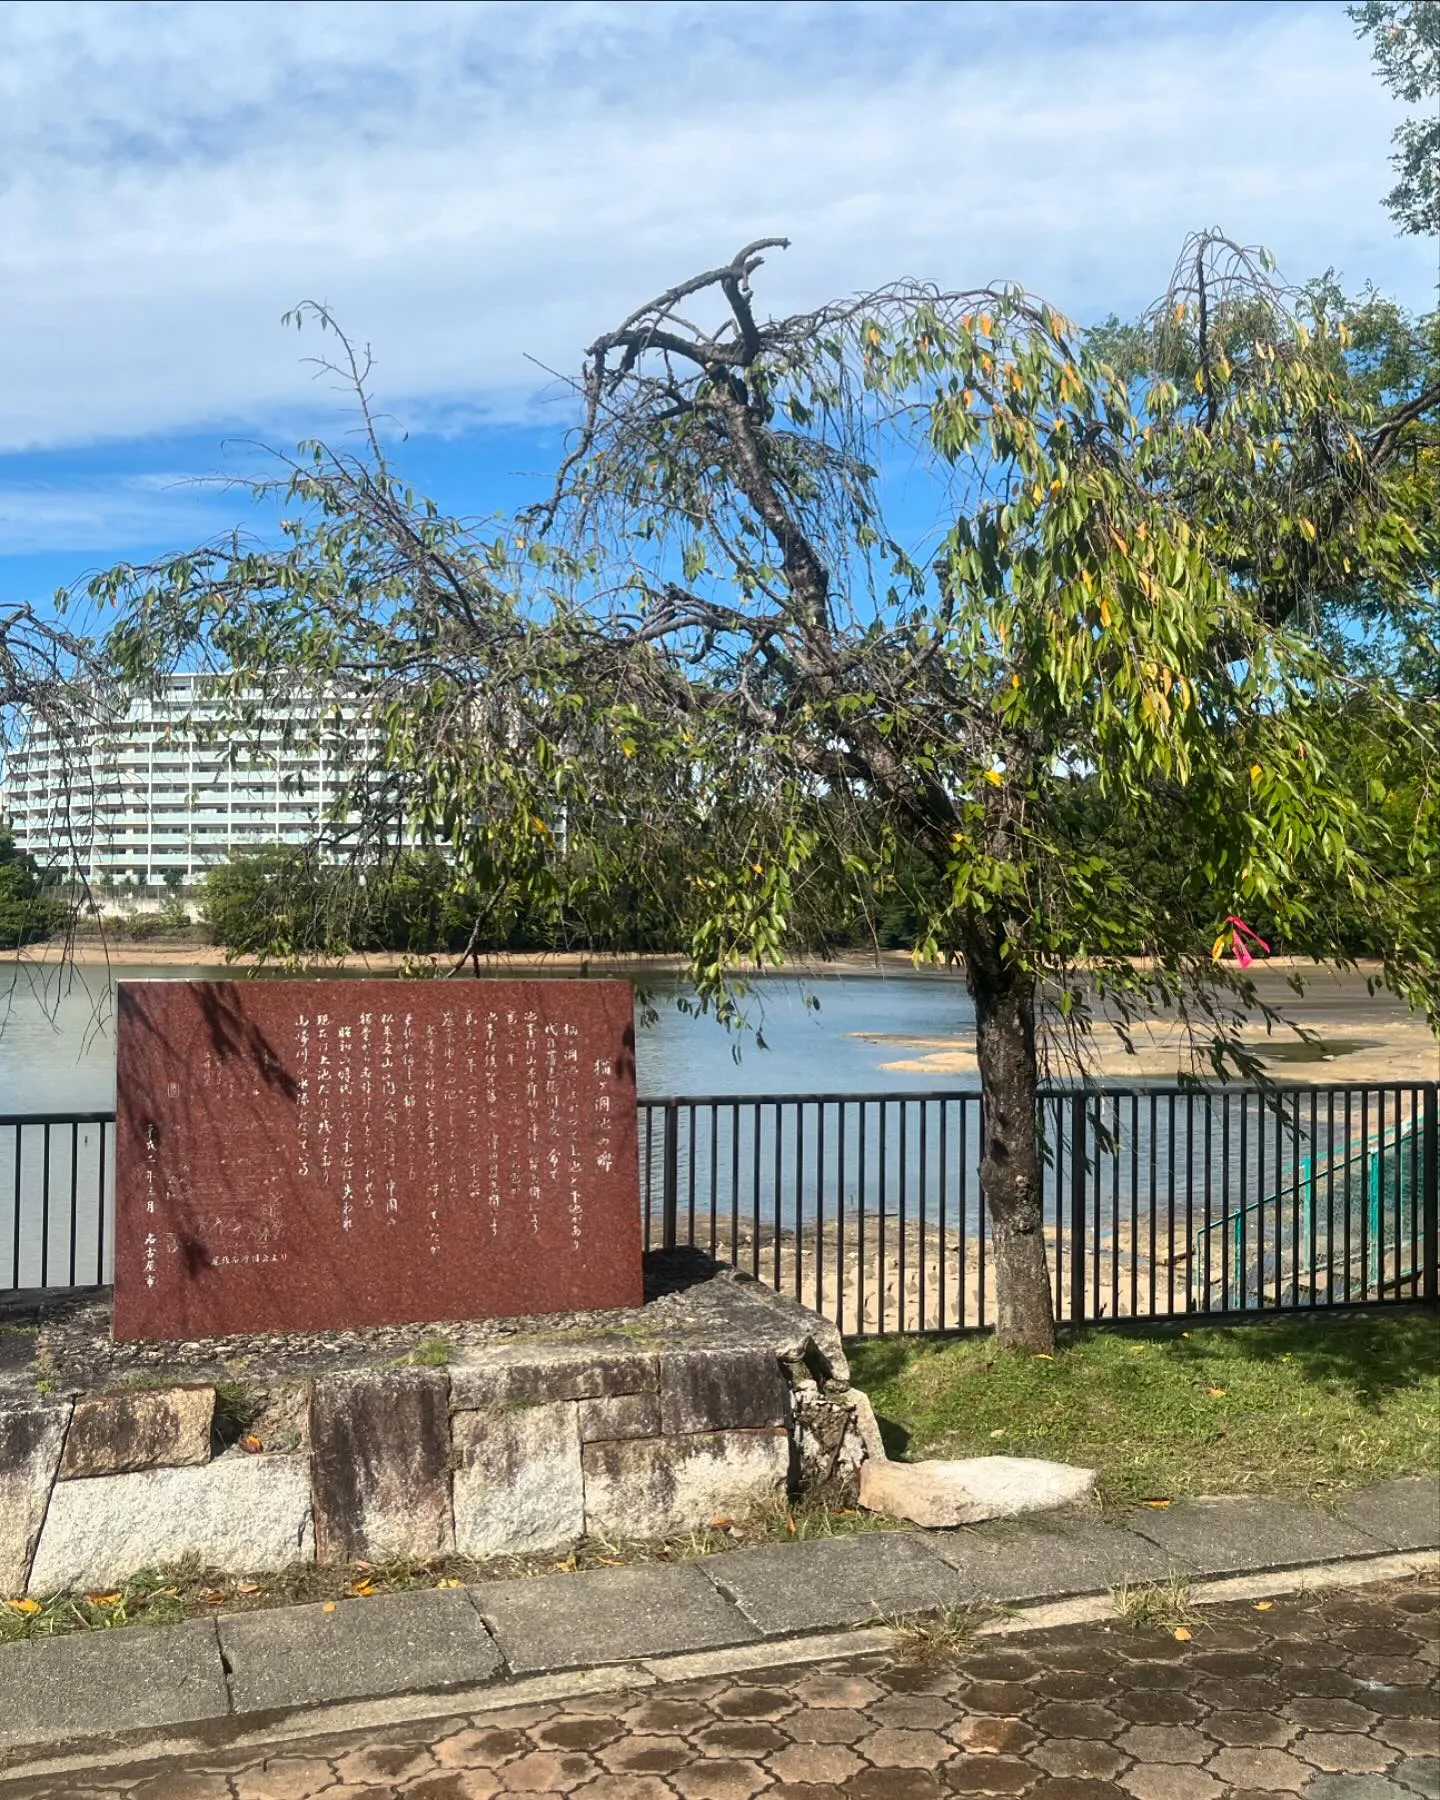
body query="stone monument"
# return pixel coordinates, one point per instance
(328, 1155)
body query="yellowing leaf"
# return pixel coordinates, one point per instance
(1014, 681)
(23, 1606)
(1217, 1393)
(1255, 771)
(1307, 528)
(994, 777)
(1182, 1634)
(1199, 389)
(1264, 1605)
(1105, 612)
(1159, 1505)
(450, 1581)
(102, 1599)
(985, 323)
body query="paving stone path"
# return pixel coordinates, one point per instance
(1330, 1697)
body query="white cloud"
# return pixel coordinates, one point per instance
(468, 183)
(38, 516)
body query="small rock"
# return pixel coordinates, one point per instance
(938, 1494)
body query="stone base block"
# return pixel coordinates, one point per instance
(380, 1446)
(138, 1428)
(242, 1513)
(32, 1436)
(653, 1487)
(518, 1481)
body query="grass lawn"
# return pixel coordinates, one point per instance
(1296, 1406)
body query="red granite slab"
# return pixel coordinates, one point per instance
(316, 1155)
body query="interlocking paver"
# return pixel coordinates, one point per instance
(1273, 1771)
(892, 1747)
(283, 1778)
(1255, 1704)
(1344, 1752)
(1079, 1756)
(832, 1763)
(1172, 1781)
(450, 1784)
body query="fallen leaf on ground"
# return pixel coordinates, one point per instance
(1264, 1605)
(1159, 1505)
(102, 1599)
(251, 1443)
(1217, 1393)
(1182, 1633)
(24, 1606)
(329, 1606)
(450, 1581)
(722, 1522)
(248, 1587)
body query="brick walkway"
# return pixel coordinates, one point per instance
(1331, 1697)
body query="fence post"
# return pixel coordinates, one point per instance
(1430, 1178)
(670, 1179)
(1078, 1260)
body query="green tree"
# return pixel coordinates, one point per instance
(29, 913)
(1405, 43)
(727, 629)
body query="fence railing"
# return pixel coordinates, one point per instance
(56, 1200)
(1157, 1201)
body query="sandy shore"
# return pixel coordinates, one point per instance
(1362, 1036)
(862, 1283)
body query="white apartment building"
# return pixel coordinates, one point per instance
(161, 788)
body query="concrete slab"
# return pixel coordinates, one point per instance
(361, 1650)
(826, 1583)
(1049, 1559)
(608, 1616)
(1403, 1514)
(1225, 1536)
(93, 1683)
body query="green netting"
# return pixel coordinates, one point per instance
(1346, 1228)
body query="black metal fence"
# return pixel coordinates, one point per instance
(56, 1201)
(1158, 1201)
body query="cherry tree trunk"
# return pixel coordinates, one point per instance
(1010, 1165)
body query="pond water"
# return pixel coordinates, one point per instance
(57, 1045)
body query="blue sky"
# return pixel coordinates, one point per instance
(473, 186)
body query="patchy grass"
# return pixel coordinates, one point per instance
(936, 1637)
(1305, 1406)
(1157, 1606)
(190, 1590)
